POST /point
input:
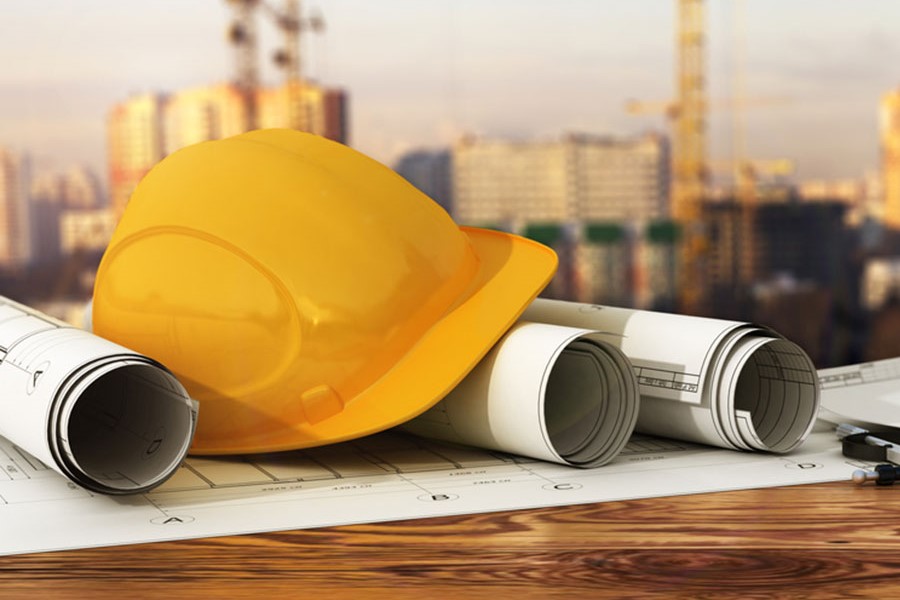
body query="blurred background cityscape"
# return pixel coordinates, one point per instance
(714, 157)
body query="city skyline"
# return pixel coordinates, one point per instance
(422, 73)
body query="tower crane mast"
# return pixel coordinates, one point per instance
(689, 142)
(689, 173)
(242, 36)
(690, 164)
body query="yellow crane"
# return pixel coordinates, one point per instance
(691, 167)
(689, 174)
(687, 115)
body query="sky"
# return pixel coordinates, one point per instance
(422, 72)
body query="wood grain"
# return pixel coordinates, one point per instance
(824, 541)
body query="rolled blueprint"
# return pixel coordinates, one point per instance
(723, 383)
(555, 393)
(109, 419)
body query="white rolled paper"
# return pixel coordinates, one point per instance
(555, 393)
(109, 419)
(724, 383)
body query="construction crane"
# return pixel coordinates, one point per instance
(292, 25)
(687, 115)
(689, 176)
(689, 140)
(744, 171)
(690, 165)
(669, 108)
(242, 35)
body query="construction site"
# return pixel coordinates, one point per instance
(650, 220)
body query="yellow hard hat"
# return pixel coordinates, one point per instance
(304, 293)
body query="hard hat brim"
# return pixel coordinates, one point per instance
(512, 272)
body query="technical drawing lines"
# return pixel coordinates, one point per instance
(645, 444)
(666, 379)
(872, 372)
(25, 479)
(17, 464)
(384, 454)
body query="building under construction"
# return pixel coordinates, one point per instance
(145, 128)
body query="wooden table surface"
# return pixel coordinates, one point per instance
(835, 540)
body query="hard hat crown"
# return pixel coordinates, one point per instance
(282, 276)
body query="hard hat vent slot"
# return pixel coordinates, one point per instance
(321, 402)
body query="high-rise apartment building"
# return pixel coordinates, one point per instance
(890, 156)
(498, 181)
(621, 179)
(134, 131)
(802, 241)
(205, 113)
(578, 177)
(588, 197)
(15, 219)
(144, 129)
(321, 110)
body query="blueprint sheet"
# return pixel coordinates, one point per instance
(385, 477)
(876, 382)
